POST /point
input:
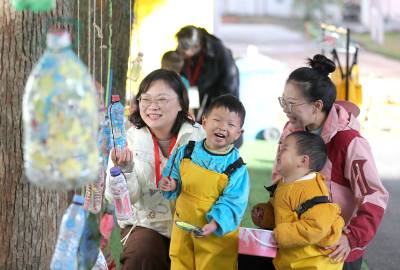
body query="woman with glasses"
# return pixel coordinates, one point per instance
(308, 101)
(161, 123)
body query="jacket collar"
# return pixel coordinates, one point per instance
(338, 119)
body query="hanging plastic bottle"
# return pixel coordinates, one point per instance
(116, 115)
(60, 117)
(71, 229)
(136, 68)
(94, 193)
(119, 190)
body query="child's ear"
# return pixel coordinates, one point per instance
(203, 120)
(240, 132)
(304, 161)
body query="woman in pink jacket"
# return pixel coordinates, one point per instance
(308, 101)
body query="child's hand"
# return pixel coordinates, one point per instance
(209, 228)
(167, 184)
(257, 215)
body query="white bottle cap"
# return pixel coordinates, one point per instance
(58, 39)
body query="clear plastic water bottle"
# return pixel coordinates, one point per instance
(119, 190)
(71, 229)
(61, 119)
(116, 115)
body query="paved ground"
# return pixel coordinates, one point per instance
(380, 116)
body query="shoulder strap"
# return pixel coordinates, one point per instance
(189, 150)
(235, 165)
(311, 203)
(271, 189)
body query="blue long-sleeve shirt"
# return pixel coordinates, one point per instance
(228, 210)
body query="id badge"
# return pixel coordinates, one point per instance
(194, 97)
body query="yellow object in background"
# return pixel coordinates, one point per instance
(355, 88)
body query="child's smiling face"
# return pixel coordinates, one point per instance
(223, 127)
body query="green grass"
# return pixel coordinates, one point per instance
(390, 48)
(259, 157)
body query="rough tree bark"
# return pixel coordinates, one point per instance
(29, 216)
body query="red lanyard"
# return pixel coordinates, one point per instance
(193, 78)
(157, 162)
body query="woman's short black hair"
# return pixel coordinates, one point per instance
(313, 146)
(229, 102)
(314, 81)
(189, 36)
(174, 81)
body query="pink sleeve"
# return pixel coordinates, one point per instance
(369, 193)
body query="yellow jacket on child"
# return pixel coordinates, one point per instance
(300, 240)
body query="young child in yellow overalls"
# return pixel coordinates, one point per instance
(304, 221)
(211, 186)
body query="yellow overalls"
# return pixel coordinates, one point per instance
(201, 188)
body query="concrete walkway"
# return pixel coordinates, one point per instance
(380, 116)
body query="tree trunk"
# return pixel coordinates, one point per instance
(94, 45)
(29, 216)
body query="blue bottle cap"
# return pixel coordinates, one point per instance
(114, 171)
(78, 199)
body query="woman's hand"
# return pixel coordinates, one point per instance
(257, 215)
(209, 228)
(340, 250)
(167, 184)
(121, 157)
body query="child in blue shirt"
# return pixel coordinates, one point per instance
(210, 183)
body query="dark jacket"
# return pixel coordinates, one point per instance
(218, 74)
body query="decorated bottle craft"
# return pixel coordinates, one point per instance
(116, 115)
(94, 193)
(34, 5)
(136, 67)
(120, 193)
(71, 229)
(60, 116)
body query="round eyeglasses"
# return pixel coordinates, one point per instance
(147, 101)
(288, 105)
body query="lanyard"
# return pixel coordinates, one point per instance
(157, 162)
(193, 78)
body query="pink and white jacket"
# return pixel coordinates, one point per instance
(351, 177)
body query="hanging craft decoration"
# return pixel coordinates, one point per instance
(34, 5)
(60, 117)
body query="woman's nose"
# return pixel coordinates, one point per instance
(154, 105)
